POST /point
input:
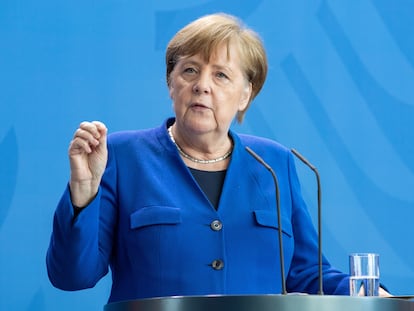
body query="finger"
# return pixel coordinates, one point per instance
(87, 136)
(384, 293)
(90, 127)
(101, 127)
(79, 145)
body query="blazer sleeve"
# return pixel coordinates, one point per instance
(304, 271)
(80, 246)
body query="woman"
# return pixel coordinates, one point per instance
(183, 209)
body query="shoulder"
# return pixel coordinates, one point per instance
(126, 136)
(272, 152)
(134, 137)
(262, 144)
(139, 142)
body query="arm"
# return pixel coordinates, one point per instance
(80, 246)
(75, 259)
(303, 275)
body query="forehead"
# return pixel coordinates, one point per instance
(223, 54)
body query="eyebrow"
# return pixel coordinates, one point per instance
(186, 61)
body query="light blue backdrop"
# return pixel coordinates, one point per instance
(340, 90)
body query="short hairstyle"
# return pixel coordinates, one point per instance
(205, 34)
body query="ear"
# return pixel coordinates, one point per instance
(171, 91)
(244, 100)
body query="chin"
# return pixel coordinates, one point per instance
(200, 127)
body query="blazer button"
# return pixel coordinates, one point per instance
(217, 264)
(216, 225)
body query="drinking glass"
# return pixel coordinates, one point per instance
(364, 272)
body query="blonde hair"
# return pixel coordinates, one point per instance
(205, 34)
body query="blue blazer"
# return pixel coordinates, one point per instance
(153, 226)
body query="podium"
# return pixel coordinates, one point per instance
(291, 302)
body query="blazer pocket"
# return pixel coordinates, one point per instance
(155, 215)
(268, 218)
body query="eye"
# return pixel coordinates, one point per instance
(221, 75)
(190, 70)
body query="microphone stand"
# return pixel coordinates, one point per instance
(279, 220)
(313, 168)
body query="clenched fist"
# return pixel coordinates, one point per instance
(88, 155)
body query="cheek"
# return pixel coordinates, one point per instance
(178, 89)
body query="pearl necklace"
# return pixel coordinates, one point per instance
(187, 156)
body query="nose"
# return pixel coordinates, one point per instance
(202, 84)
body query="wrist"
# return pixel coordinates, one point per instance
(82, 193)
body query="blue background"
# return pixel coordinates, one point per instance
(339, 90)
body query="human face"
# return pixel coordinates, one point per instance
(207, 94)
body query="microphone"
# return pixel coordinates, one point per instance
(313, 168)
(279, 219)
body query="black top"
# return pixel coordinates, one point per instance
(211, 183)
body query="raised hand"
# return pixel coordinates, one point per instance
(88, 155)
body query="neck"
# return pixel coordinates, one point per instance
(203, 158)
